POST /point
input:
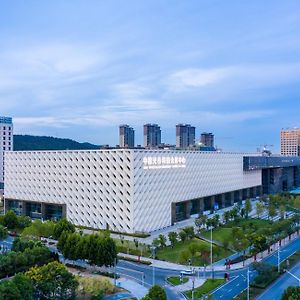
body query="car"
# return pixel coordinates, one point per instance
(187, 272)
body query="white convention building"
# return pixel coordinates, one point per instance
(125, 190)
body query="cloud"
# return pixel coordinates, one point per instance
(236, 77)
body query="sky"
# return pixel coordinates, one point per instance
(79, 69)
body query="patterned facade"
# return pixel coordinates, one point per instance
(124, 189)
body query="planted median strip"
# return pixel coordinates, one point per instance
(175, 280)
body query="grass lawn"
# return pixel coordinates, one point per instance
(175, 254)
(225, 232)
(206, 288)
(176, 280)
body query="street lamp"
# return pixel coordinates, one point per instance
(153, 248)
(248, 283)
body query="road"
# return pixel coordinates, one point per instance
(275, 291)
(238, 278)
(236, 284)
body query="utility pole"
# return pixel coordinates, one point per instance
(153, 268)
(115, 274)
(248, 284)
(278, 259)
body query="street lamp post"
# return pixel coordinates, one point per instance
(248, 284)
(153, 268)
(278, 259)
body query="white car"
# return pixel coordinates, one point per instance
(187, 272)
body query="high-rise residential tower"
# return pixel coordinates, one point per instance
(207, 139)
(185, 135)
(152, 135)
(126, 136)
(290, 142)
(6, 143)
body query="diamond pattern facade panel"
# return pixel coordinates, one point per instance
(94, 185)
(176, 176)
(127, 190)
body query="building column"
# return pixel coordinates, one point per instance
(187, 209)
(223, 200)
(212, 202)
(232, 199)
(173, 212)
(43, 210)
(201, 205)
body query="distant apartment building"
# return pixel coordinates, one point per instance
(126, 136)
(207, 139)
(290, 142)
(6, 143)
(152, 135)
(185, 136)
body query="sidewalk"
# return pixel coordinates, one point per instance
(136, 289)
(173, 266)
(189, 285)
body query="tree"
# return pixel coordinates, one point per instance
(9, 291)
(182, 236)
(10, 220)
(62, 225)
(162, 240)
(24, 285)
(156, 292)
(173, 238)
(39, 229)
(226, 216)
(136, 243)
(271, 211)
(281, 211)
(156, 243)
(291, 293)
(24, 221)
(53, 281)
(184, 256)
(259, 209)
(200, 222)
(189, 232)
(248, 207)
(3, 232)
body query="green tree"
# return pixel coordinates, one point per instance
(156, 292)
(182, 236)
(53, 281)
(3, 232)
(190, 233)
(173, 238)
(62, 225)
(271, 211)
(248, 207)
(259, 209)
(200, 221)
(226, 216)
(281, 211)
(10, 220)
(24, 285)
(162, 240)
(9, 291)
(291, 293)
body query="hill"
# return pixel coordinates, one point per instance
(31, 143)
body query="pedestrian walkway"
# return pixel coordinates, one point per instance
(189, 285)
(136, 289)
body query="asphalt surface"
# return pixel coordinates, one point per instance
(236, 284)
(275, 291)
(143, 274)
